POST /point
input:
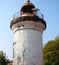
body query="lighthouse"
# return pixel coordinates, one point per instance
(28, 29)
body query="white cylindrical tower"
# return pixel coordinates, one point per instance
(28, 29)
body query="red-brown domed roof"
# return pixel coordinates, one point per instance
(27, 5)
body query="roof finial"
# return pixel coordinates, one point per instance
(28, 1)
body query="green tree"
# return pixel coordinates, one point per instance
(51, 52)
(3, 59)
(47, 62)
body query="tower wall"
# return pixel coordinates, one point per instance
(28, 48)
(28, 29)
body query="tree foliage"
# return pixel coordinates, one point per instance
(3, 59)
(47, 62)
(51, 52)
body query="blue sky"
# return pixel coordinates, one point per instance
(50, 9)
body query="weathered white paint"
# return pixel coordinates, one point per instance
(28, 24)
(28, 48)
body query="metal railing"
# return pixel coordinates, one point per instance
(18, 14)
